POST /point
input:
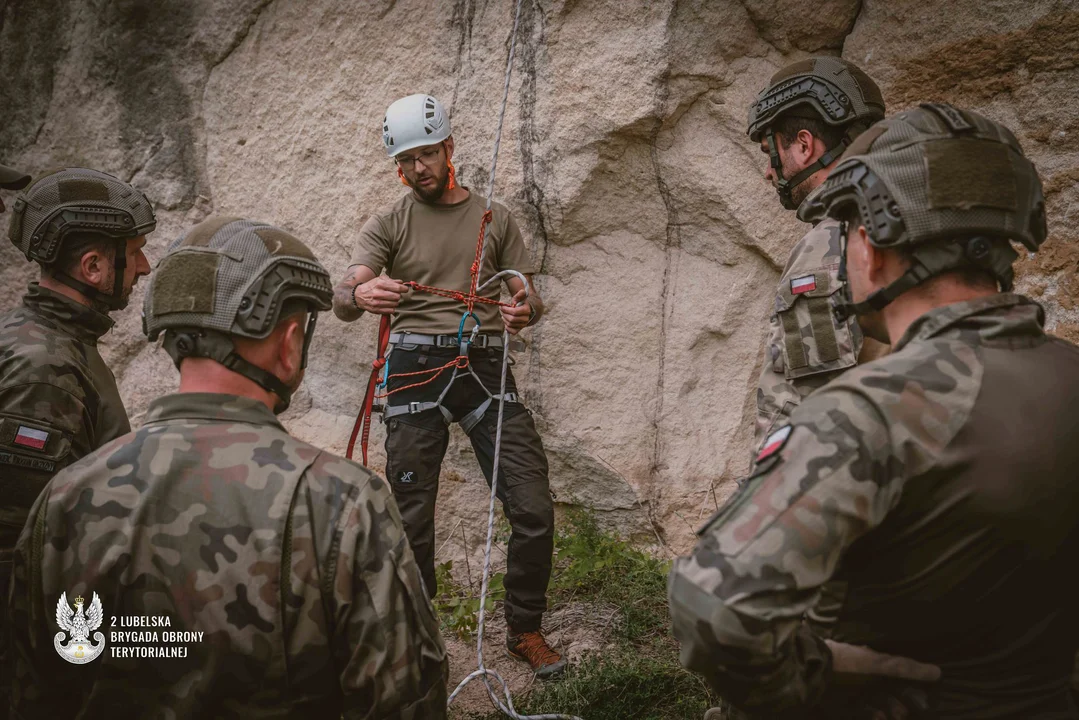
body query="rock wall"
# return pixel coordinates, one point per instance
(624, 158)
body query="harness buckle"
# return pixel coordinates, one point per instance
(414, 407)
(445, 341)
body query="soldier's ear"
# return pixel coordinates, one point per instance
(94, 267)
(290, 349)
(805, 147)
(876, 261)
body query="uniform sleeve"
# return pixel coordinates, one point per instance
(776, 396)
(386, 639)
(806, 347)
(738, 600)
(29, 652)
(513, 255)
(373, 247)
(43, 428)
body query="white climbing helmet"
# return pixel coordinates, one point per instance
(413, 122)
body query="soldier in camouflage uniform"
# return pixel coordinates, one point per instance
(807, 116)
(935, 485)
(58, 399)
(289, 564)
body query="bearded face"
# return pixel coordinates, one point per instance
(426, 170)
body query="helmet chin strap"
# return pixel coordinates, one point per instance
(219, 346)
(785, 187)
(928, 262)
(114, 300)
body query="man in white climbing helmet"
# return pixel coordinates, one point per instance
(429, 237)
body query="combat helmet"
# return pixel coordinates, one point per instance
(951, 187)
(230, 277)
(828, 89)
(75, 202)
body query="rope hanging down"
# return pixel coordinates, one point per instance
(363, 420)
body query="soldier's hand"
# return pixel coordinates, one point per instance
(380, 296)
(516, 318)
(898, 703)
(859, 660)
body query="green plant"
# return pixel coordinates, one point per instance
(595, 565)
(457, 606)
(638, 675)
(619, 685)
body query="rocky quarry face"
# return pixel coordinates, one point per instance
(624, 158)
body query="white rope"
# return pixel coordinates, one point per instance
(482, 671)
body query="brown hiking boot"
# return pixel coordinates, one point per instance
(534, 650)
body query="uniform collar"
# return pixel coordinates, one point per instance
(83, 323)
(1002, 314)
(210, 406)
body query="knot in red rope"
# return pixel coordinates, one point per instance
(379, 363)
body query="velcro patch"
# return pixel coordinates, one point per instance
(8, 458)
(188, 286)
(803, 284)
(953, 185)
(774, 443)
(30, 437)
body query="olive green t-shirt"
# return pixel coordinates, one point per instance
(435, 245)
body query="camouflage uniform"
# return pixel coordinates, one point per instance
(58, 399)
(898, 483)
(291, 564)
(806, 346)
(291, 561)
(932, 491)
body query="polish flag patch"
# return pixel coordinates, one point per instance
(803, 284)
(774, 443)
(31, 438)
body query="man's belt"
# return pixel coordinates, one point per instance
(467, 422)
(444, 341)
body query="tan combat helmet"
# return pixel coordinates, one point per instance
(232, 277)
(74, 203)
(950, 186)
(828, 89)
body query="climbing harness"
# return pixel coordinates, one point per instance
(460, 363)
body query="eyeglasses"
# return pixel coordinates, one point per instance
(426, 158)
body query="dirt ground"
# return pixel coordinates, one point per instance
(573, 630)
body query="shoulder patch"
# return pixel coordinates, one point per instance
(803, 284)
(30, 437)
(774, 443)
(19, 434)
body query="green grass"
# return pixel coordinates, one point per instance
(640, 677)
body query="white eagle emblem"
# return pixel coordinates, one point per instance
(78, 649)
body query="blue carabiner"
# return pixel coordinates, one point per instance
(461, 342)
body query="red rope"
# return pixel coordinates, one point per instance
(456, 295)
(475, 270)
(460, 362)
(364, 418)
